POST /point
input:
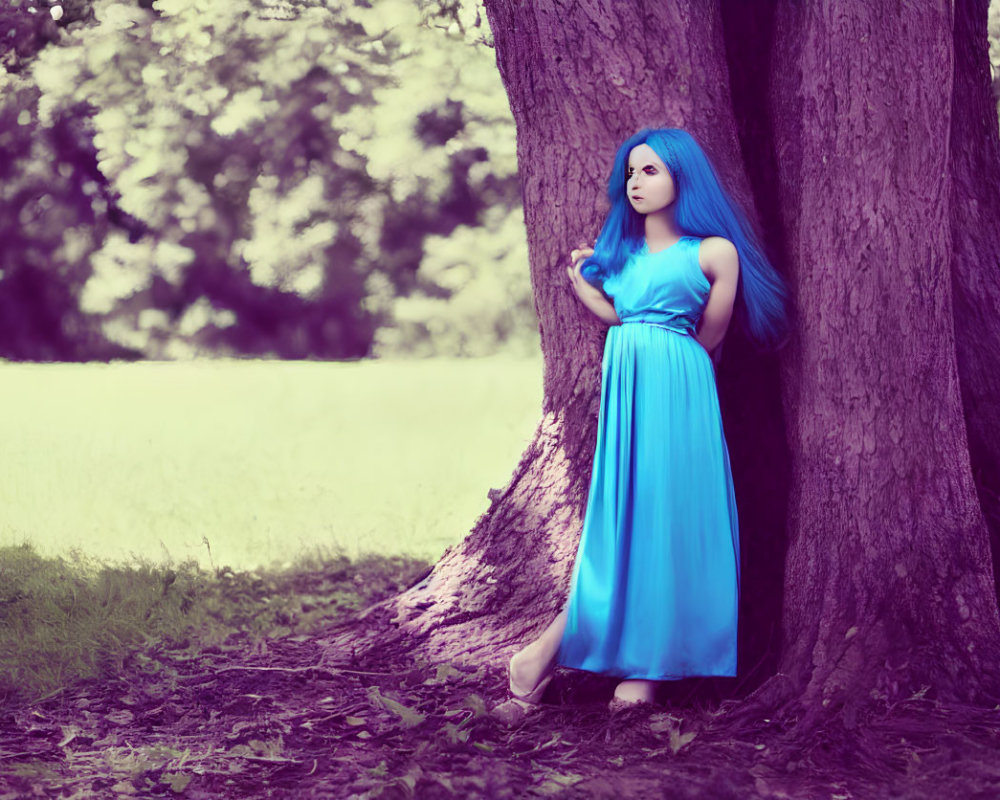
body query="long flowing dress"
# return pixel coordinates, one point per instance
(655, 586)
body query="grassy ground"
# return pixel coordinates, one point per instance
(264, 460)
(151, 495)
(307, 716)
(66, 619)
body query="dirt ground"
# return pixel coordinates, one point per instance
(293, 717)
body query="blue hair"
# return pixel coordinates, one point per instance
(703, 208)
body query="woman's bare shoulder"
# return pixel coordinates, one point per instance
(717, 246)
(717, 255)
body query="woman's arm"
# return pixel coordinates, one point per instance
(721, 264)
(590, 296)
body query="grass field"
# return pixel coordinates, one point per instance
(264, 460)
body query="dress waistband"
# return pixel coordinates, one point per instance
(676, 328)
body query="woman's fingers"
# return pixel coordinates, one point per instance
(577, 257)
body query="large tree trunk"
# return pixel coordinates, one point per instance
(868, 198)
(974, 151)
(575, 94)
(888, 579)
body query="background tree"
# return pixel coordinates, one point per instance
(868, 143)
(55, 205)
(256, 179)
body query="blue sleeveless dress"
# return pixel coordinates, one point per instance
(655, 585)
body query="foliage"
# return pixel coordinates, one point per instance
(55, 206)
(469, 299)
(210, 177)
(215, 127)
(469, 294)
(300, 716)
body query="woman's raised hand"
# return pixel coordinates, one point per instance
(592, 297)
(577, 257)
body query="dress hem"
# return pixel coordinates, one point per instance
(652, 677)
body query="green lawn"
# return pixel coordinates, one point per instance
(267, 460)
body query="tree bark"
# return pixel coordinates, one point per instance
(974, 152)
(865, 546)
(888, 581)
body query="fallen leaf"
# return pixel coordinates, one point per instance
(178, 781)
(121, 717)
(678, 739)
(69, 734)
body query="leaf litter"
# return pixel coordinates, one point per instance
(292, 718)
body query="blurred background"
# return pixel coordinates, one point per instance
(264, 284)
(263, 278)
(292, 180)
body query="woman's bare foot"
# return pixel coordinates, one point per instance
(529, 677)
(528, 668)
(635, 691)
(531, 671)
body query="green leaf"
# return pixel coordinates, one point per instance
(177, 780)
(566, 780)
(408, 716)
(477, 704)
(455, 734)
(678, 739)
(661, 723)
(441, 674)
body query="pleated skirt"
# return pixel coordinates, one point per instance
(654, 591)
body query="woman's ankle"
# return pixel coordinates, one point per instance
(528, 671)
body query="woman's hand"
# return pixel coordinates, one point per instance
(589, 295)
(577, 257)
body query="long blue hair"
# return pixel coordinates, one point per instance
(703, 208)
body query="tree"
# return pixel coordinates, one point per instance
(252, 178)
(866, 453)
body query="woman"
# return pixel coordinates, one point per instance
(655, 586)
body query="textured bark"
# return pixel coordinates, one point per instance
(888, 581)
(871, 153)
(975, 250)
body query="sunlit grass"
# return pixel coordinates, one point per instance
(64, 619)
(263, 460)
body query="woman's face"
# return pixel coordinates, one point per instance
(650, 187)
